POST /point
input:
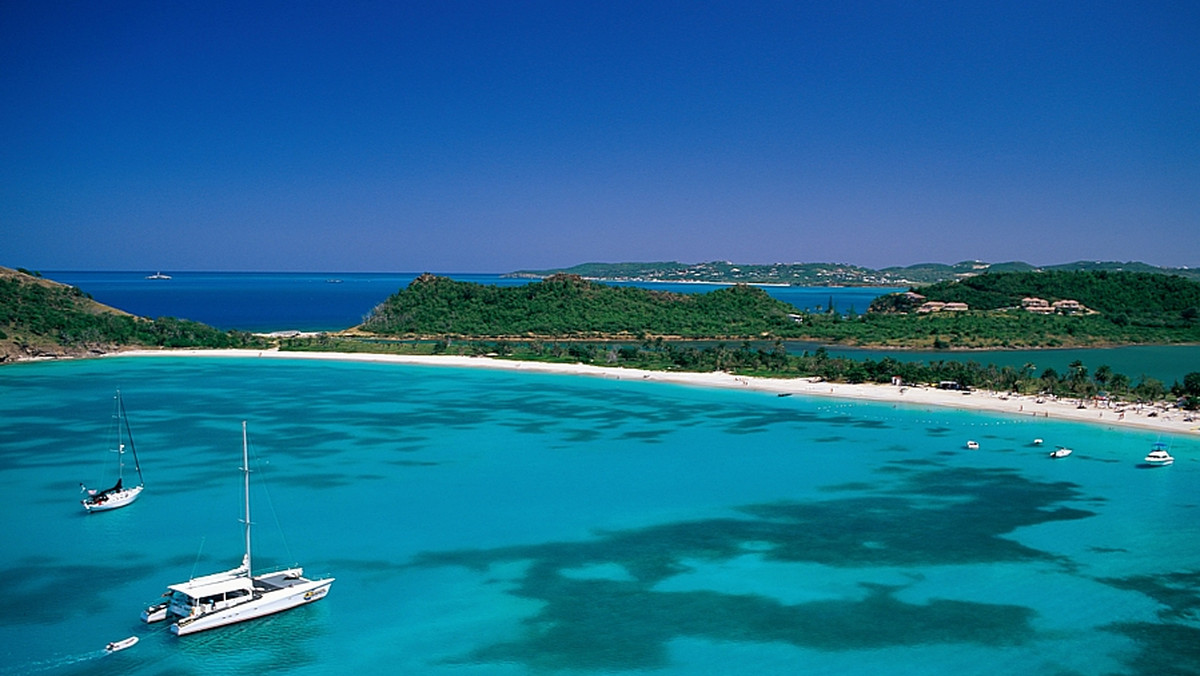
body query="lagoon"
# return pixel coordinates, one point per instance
(1168, 363)
(496, 522)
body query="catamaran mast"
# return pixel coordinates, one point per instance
(246, 475)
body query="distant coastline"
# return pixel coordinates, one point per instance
(825, 274)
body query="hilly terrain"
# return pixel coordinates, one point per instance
(40, 318)
(568, 305)
(1119, 308)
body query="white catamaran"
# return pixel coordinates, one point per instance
(235, 595)
(119, 495)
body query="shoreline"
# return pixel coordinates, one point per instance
(1167, 421)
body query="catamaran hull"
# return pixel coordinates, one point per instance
(267, 604)
(155, 613)
(113, 501)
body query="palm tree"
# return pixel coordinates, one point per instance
(1078, 376)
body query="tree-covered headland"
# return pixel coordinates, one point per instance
(1117, 309)
(40, 318)
(742, 329)
(569, 306)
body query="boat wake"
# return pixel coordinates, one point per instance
(51, 664)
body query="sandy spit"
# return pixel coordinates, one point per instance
(1112, 414)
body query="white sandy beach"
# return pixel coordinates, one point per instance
(1110, 414)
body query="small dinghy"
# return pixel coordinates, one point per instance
(1060, 452)
(117, 646)
(973, 445)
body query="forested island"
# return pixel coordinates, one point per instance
(985, 311)
(40, 318)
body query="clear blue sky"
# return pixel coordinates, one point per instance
(491, 136)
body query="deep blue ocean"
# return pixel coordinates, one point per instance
(332, 301)
(305, 301)
(498, 522)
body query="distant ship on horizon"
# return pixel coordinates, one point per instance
(158, 275)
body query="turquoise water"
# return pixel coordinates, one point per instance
(489, 522)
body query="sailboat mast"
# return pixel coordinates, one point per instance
(129, 434)
(246, 475)
(117, 409)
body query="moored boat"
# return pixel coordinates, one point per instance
(238, 594)
(1060, 452)
(973, 445)
(1159, 455)
(119, 494)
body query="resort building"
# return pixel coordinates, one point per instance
(1067, 306)
(938, 306)
(1041, 306)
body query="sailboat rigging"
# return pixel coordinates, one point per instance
(118, 495)
(238, 594)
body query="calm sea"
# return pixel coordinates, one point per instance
(281, 301)
(332, 301)
(488, 522)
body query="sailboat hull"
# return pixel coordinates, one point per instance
(112, 500)
(264, 603)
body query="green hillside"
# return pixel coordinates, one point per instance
(41, 318)
(567, 305)
(1144, 297)
(1125, 308)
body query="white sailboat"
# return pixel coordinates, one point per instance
(120, 494)
(235, 595)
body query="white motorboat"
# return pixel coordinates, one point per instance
(1159, 455)
(235, 595)
(120, 494)
(124, 643)
(1060, 452)
(973, 445)
(1037, 442)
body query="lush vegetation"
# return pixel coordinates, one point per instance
(1123, 307)
(1136, 308)
(1147, 297)
(567, 305)
(42, 317)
